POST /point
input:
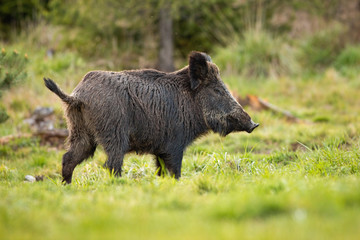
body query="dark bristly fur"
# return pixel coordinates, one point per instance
(148, 111)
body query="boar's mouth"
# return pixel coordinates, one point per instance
(235, 125)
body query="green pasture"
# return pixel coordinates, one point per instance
(284, 181)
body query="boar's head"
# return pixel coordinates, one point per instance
(222, 113)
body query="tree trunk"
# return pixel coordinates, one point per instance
(166, 51)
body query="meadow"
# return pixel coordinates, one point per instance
(285, 180)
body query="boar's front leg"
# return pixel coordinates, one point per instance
(171, 162)
(115, 146)
(114, 162)
(115, 152)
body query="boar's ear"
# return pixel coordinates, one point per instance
(198, 68)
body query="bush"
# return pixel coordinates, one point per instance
(13, 14)
(257, 54)
(321, 49)
(12, 66)
(348, 60)
(121, 29)
(3, 114)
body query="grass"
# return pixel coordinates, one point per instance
(257, 54)
(221, 195)
(283, 181)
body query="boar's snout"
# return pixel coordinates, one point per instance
(239, 120)
(252, 126)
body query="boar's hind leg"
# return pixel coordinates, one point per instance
(81, 148)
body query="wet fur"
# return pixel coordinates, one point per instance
(145, 111)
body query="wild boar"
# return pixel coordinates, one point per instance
(148, 111)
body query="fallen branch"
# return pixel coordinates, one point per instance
(54, 137)
(260, 104)
(57, 133)
(9, 138)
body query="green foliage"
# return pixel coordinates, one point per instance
(201, 25)
(122, 23)
(121, 28)
(349, 57)
(14, 13)
(321, 49)
(348, 61)
(12, 68)
(257, 54)
(116, 28)
(3, 114)
(64, 61)
(117, 31)
(12, 71)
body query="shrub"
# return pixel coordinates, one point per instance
(348, 61)
(12, 66)
(257, 54)
(320, 50)
(3, 114)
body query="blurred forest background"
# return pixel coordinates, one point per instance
(256, 38)
(293, 64)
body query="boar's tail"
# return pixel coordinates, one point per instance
(52, 86)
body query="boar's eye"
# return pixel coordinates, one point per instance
(217, 91)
